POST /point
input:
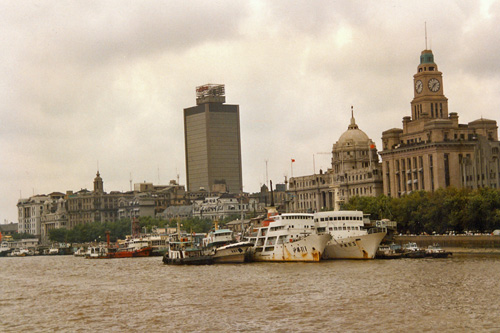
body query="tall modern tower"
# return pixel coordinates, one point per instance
(212, 142)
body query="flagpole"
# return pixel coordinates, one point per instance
(291, 165)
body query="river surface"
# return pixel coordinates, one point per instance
(66, 293)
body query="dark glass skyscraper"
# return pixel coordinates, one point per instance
(212, 142)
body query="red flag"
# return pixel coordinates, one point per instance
(372, 146)
(293, 160)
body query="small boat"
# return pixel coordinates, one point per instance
(80, 252)
(435, 251)
(97, 252)
(20, 253)
(4, 249)
(129, 249)
(350, 239)
(388, 251)
(132, 248)
(222, 245)
(411, 250)
(53, 251)
(187, 250)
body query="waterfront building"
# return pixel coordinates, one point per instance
(355, 171)
(177, 212)
(219, 207)
(212, 142)
(140, 205)
(433, 150)
(163, 196)
(54, 216)
(30, 214)
(94, 206)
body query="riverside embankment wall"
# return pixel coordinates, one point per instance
(458, 241)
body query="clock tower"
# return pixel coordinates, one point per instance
(429, 100)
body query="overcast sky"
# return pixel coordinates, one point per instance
(102, 84)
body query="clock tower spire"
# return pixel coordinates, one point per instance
(429, 100)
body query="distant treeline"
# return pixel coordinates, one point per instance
(440, 211)
(95, 232)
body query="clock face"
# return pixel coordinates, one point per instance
(434, 84)
(418, 86)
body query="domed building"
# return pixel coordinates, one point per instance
(355, 166)
(355, 171)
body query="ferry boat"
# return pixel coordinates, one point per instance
(350, 239)
(221, 244)
(288, 237)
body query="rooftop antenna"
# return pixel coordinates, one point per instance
(425, 27)
(131, 182)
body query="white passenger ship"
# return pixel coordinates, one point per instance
(289, 237)
(350, 240)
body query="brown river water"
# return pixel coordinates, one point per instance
(69, 294)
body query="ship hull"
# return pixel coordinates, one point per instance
(144, 252)
(232, 254)
(307, 249)
(356, 247)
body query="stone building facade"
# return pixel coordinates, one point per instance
(94, 206)
(433, 150)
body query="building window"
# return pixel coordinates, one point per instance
(446, 170)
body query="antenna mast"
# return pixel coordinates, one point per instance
(425, 27)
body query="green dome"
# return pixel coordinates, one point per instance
(426, 57)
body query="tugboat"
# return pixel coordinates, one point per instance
(435, 251)
(391, 251)
(186, 250)
(411, 250)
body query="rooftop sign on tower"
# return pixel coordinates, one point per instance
(210, 93)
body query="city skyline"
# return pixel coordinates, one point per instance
(106, 83)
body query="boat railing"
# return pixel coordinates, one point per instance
(377, 230)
